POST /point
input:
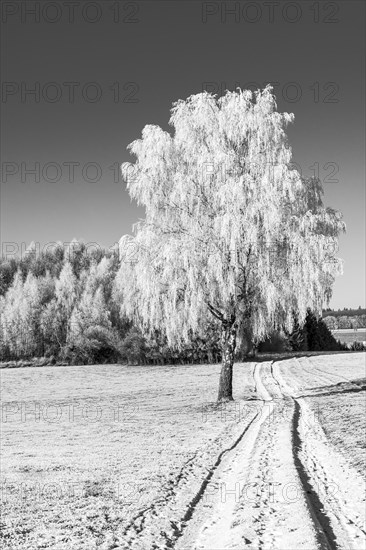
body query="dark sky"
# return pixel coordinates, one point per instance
(98, 83)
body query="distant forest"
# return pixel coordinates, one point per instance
(345, 318)
(344, 312)
(61, 305)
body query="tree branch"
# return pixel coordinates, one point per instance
(215, 312)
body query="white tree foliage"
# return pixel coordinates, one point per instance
(14, 316)
(19, 317)
(228, 221)
(90, 323)
(56, 316)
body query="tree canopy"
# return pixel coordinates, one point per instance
(231, 228)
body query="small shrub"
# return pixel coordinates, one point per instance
(276, 343)
(357, 346)
(133, 347)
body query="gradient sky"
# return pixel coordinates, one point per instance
(157, 52)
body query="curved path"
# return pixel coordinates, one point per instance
(282, 486)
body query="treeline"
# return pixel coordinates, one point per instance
(345, 312)
(346, 318)
(313, 336)
(61, 304)
(345, 321)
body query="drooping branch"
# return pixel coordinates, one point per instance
(216, 313)
(219, 217)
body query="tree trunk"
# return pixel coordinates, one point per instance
(228, 344)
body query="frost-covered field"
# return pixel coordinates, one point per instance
(140, 457)
(86, 448)
(332, 384)
(349, 336)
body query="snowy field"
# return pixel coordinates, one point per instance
(349, 336)
(115, 457)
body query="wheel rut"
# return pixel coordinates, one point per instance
(325, 534)
(199, 495)
(270, 450)
(322, 474)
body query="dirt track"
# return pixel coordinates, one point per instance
(279, 468)
(281, 486)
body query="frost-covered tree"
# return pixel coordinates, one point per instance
(331, 322)
(90, 327)
(56, 316)
(3, 343)
(344, 322)
(20, 314)
(99, 274)
(231, 229)
(32, 312)
(13, 313)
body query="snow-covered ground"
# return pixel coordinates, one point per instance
(348, 336)
(115, 457)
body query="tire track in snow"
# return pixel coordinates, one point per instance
(199, 495)
(167, 540)
(178, 531)
(136, 524)
(267, 446)
(325, 533)
(277, 448)
(259, 385)
(266, 451)
(335, 528)
(326, 471)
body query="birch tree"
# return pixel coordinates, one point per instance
(20, 314)
(13, 317)
(90, 326)
(55, 318)
(232, 231)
